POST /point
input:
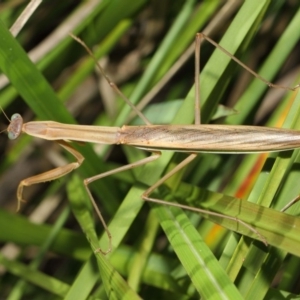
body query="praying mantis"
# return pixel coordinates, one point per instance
(190, 139)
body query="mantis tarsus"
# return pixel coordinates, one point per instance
(185, 138)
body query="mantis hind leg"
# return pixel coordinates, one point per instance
(191, 157)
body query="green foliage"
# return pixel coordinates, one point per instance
(158, 252)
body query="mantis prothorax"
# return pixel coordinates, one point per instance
(191, 139)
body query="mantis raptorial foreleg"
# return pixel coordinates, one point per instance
(52, 174)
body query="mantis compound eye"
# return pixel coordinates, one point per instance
(15, 127)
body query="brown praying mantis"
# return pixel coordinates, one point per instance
(190, 139)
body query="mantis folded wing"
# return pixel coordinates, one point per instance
(190, 139)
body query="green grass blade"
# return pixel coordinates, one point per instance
(114, 284)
